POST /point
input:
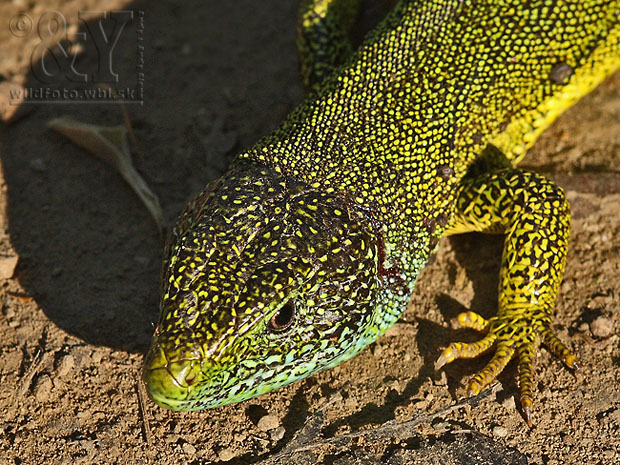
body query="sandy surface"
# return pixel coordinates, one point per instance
(78, 310)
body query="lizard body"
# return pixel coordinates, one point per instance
(308, 249)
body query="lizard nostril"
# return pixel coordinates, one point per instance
(191, 376)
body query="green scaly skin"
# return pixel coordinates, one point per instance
(308, 249)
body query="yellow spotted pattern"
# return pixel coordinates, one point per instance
(308, 248)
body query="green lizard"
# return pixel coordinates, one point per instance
(309, 247)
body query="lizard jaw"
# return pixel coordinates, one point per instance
(169, 382)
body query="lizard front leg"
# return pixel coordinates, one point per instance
(534, 215)
(322, 37)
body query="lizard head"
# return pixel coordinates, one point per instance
(265, 281)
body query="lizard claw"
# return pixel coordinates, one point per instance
(510, 336)
(456, 350)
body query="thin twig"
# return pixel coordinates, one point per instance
(388, 429)
(125, 114)
(146, 428)
(40, 359)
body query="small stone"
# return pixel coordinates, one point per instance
(421, 404)
(226, 454)
(268, 422)
(7, 266)
(43, 388)
(38, 165)
(9, 311)
(602, 327)
(509, 403)
(189, 449)
(278, 433)
(65, 365)
(88, 445)
(96, 357)
(615, 416)
(442, 380)
(350, 403)
(500, 431)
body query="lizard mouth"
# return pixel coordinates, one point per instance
(169, 382)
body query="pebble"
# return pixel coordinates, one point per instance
(442, 380)
(43, 388)
(509, 403)
(96, 357)
(602, 327)
(421, 404)
(88, 445)
(65, 365)
(9, 311)
(278, 433)
(189, 449)
(500, 431)
(565, 288)
(226, 454)
(608, 454)
(268, 422)
(7, 266)
(615, 416)
(351, 403)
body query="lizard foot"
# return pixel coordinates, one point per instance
(510, 335)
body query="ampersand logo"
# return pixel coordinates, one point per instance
(55, 60)
(64, 55)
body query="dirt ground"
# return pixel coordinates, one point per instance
(77, 312)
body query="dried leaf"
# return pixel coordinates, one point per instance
(110, 144)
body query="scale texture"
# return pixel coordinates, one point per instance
(309, 247)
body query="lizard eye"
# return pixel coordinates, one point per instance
(284, 318)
